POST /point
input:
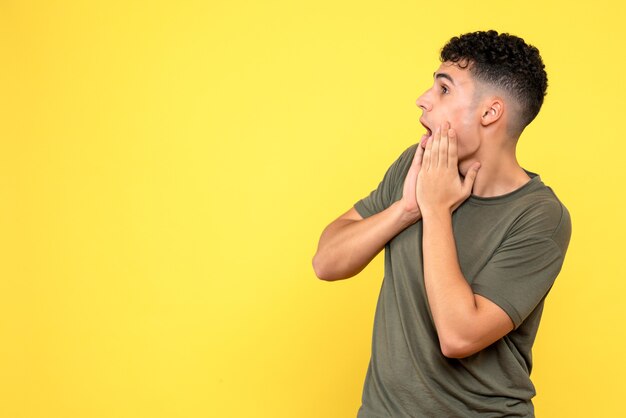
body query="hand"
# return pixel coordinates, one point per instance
(439, 186)
(409, 199)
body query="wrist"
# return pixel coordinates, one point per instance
(405, 215)
(435, 213)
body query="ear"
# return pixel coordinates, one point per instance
(493, 110)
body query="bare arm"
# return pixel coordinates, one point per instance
(466, 322)
(350, 242)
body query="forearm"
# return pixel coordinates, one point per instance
(451, 299)
(347, 246)
(466, 323)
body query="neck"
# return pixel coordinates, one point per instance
(499, 173)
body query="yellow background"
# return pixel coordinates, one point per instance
(166, 169)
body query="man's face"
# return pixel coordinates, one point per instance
(452, 99)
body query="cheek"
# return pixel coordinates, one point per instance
(463, 123)
(459, 119)
(467, 142)
(467, 133)
(466, 123)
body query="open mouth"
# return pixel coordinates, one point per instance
(428, 130)
(428, 133)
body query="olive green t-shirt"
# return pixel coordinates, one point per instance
(510, 249)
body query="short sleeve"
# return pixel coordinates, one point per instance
(382, 197)
(523, 269)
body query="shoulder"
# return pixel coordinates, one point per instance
(401, 165)
(407, 155)
(544, 216)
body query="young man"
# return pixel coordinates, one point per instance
(473, 243)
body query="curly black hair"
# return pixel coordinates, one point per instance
(506, 62)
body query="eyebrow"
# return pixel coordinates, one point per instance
(443, 75)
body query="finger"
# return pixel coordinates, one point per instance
(409, 182)
(427, 154)
(470, 177)
(443, 145)
(434, 156)
(453, 151)
(414, 169)
(417, 160)
(430, 140)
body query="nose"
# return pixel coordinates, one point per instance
(423, 103)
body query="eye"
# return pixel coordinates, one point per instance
(444, 89)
